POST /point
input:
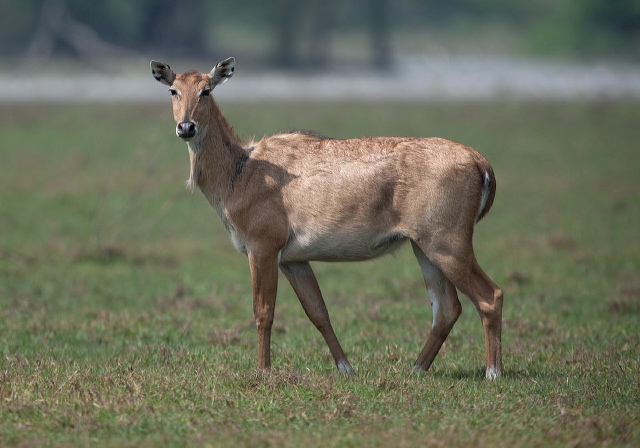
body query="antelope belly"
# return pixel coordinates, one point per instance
(339, 246)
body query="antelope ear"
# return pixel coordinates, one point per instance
(162, 72)
(223, 71)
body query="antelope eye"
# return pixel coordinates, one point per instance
(173, 92)
(205, 92)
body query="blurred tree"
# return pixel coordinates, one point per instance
(285, 20)
(585, 28)
(118, 28)
(380, 33)
(615, 25)
(304, 32)
(296, 22)
(174, 27)
(16, 24)
(58, 32)
(322, 14)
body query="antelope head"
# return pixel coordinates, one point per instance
(191, 95)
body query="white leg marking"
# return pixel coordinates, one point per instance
(493, 373)
(435, 306)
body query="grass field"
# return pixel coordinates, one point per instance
(126, 315)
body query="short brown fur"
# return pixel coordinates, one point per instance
(296, 197)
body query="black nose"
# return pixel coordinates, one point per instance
(186, 129)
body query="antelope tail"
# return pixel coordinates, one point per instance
(488, 189)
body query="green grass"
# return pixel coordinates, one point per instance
(126, 316)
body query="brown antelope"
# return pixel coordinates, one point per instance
(296, 197)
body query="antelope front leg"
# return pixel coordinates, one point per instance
(264, 276)
(305, 285)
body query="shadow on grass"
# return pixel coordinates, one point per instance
(523, 373)
(458, 374)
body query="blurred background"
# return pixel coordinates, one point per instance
(125, 312)
(457, 48)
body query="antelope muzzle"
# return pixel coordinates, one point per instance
(186, 130)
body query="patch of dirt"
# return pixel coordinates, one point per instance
(626, 296)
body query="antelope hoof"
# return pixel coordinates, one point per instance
(419, 368)
(345, 368)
